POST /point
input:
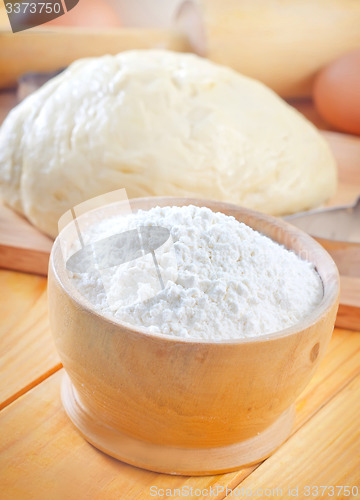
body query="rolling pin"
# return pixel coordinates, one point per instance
(46, 50)
(281, 43)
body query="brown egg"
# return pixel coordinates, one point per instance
(337, 93)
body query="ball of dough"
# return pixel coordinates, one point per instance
(159, 123)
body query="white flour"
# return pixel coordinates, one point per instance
(227, 281)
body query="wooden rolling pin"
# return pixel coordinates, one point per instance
(283, 44)
(45, 50)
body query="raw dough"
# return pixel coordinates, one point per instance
(159, 123)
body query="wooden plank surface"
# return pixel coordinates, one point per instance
(41, 451)
(28, 354)
(349, 310)
(325, 452)
(22, 246)
(39, 445)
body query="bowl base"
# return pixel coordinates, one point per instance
(171, 460)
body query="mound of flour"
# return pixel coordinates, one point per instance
(222, 279)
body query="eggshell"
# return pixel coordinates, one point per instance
(337, 93)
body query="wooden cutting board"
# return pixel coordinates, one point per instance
(24, 248)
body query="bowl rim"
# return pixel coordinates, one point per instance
(331, 289)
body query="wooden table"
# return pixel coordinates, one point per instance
(43, 456)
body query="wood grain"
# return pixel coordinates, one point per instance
(325, 451)
(340, 365)
(41, 451)
(28, 353)
(336, 370)
(22, 246)
(349, 310)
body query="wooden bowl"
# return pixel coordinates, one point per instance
(188, 406)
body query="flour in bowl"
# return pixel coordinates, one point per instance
(220, 279)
